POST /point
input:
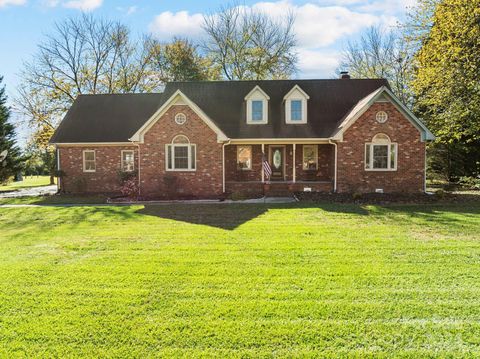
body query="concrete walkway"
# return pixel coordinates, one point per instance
(30, 192)
(267, 200)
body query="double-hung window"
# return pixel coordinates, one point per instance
(296, 110)
(310, 157)
(89, 160)
(128, 161)
(381, 154)
(180, 154)
(257, 111)
(244, 157)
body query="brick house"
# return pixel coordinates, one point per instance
(208, 139)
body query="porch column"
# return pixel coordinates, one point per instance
(294, 169)
(263, 154)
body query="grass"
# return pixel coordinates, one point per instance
(28, 182)
(240, 281)
(55, 199)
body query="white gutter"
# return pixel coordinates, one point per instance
(335, 167)
(223, 164)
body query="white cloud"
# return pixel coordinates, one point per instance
(318, 63)
(128, 10)
(4, 3)
(84, 5)
(318, 26)
(169, 24)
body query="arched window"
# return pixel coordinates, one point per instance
(180, 118)
(381, 154)
(180, 154)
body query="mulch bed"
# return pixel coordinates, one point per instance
(390, 198)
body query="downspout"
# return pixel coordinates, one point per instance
(223, 164)
(335, 166)
(139, 162)
(58, 168)
(424, 170)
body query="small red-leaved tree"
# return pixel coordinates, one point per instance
(130, 188)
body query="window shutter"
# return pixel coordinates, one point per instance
(393, 156)
(367, 156)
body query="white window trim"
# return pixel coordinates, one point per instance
(316, 157)
(122, 160)
(389, 146)
(381, 113)
(172, 146)
(178, 115)
(288, 111)
(251, 158)
(257, 94)
(296, 94)
(94, 160)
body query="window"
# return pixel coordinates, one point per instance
(296, 106)
(244, 157)
(381, 154)
(296, 110)
(180, 119)
(180, 154)
(128, 161)
(310, 157)
(257, 110)
(257, 106)
(381, 117)
(89, 161)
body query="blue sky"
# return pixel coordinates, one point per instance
(322, 26)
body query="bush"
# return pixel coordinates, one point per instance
(469, 182)
(130, 188)
(124, 176)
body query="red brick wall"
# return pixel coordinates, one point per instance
(206, 181)
(234, 174)
(325, 167)
(105, 179)
(409, 176)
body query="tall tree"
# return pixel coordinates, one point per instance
(380, 54)
(246, 44)
(180, 60)
(11, 160)
(83, 55)
(447, 80)
(446, 84)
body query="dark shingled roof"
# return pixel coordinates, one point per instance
(106, 118)
(115, 118)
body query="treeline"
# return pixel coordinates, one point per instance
(432, 62)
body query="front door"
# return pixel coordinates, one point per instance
(277, 159)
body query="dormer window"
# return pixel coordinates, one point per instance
(296, 110)
(296, 106)
(257, 110)
(257, 106)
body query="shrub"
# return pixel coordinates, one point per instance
(124, 176)
(130, 188)
(469, 182)
(80, 184)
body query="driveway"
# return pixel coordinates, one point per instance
(30, 192)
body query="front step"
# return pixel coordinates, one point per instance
(278, 190)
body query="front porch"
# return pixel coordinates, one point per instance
(295, 168)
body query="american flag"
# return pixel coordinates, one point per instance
(266, 167)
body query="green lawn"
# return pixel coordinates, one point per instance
(28, 181)
(240, 281)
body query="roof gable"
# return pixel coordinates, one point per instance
(382, 94)
(175, 98)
